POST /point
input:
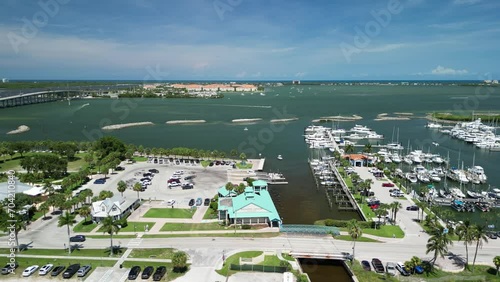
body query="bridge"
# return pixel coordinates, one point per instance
(335, 256)
(39, 97)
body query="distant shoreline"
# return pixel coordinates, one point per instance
(186, 121)
(125, 125)
(20, 129)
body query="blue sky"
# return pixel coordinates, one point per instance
(250, 39)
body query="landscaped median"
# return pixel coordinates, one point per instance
(385, 231)
(169, 213)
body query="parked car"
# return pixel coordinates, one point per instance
(412, 208)
(419, 269)
(390, 268)
(154, 170)
(366, 265)
(377, 265)
(189, 177)
(100, 181)
(397, 193)
(30, 270)
(175, 184)
(387, 184)
(187, 186)
(77, 238)
(191, 202)
(367, 193)
(173, 180)
(206, 202)
(159, 273)
(9, 268)
(119, 168)
(134, 272)
(147, 272)
(199, 201)
(44, 270)
(401, 268)
(170, 202)
(84, 270)
(71, 270)
(57, 270)
(492, 235)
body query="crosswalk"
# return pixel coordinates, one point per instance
(136, 242)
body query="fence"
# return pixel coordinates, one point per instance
(260, 268)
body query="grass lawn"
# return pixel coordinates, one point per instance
(245, 165)
(205, 163)
(139, 227)
(164, 253)
(235, 259)
(169, 213)
(78, 162)
(362, 239)
(140, 159)
(367, 211)
(75, 253)
(210, 214)
(386, 231)
(271, 261)
(14, 163)
(368, 276)
(192, 226)
(287, 257)
(37, 215)
(114, 236)
(249, 235)
(84, 226)
(171, 275)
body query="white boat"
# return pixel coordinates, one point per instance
(262, 94)
(394, 146)
(355, 136)
(423, 178)
(411, 177)
(477, 172)
(396, 159)
(373, 135)
(457, 193)
(474, 195)
(274, 176)
(407, 159)
(458, 175)
(245, 129)
(280, 157)
(433, 125)
(437, 160)
(435, 144)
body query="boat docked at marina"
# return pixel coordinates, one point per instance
(457, 193)
(433, 125)
(477, 172)
(474, 195)
(458, 175)
(412, 177)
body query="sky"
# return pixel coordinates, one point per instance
(250, 39)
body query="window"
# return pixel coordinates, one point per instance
(103, 208)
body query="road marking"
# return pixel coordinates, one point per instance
(106, 275)
(134, 242)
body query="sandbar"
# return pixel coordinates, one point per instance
(186, 121)
(20, 129)
(246, 119)
(284, 119)
(124, 125)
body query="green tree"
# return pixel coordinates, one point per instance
(13, 225)
(355, 232)
(110, 226)
(348, 149)
(48, 187)
(480, 236)
(367, 148)
(105, 194)
(396, 206)
(243, 156)
(122, 186)
(496, 262)
(67, 219)
(84, 212)
(421, 206)
(137, 188)
(438, 243)
(179, 261)
(465, 232)
(44, 208)
(233, 153)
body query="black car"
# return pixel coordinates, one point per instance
(189, 177)
(187, 186)
(57, 270)
(134, 272)
(206, 202)
(77, 238)
(366, 265)
(191, 202)
(9, 268)
(147, 272)
(159, 273)
(412, 208)
(154, 170)
(119, 168)
(378, 266)
(492, 235)
(71, 270)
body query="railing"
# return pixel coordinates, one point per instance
(260, 268)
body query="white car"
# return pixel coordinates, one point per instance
(30, 270)
(175, 177)
(179, 172)
(174, 184)
(170, 202)
(45, 269)
(390, 268)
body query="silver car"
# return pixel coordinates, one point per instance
(390, 268)
(83, 270)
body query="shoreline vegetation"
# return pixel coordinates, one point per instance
(385, 116)
(186, 121)
(20, 129)
(338, 118)
(448, 117)
(125, 125)
(246, 120)
(284, 120)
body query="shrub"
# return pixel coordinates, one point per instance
(285, 264)
(246, 226)
(343, 223)
(329, 222)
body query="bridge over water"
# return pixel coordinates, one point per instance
(39, 97)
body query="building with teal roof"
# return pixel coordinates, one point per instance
(253, 206)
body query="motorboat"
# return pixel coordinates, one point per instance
(457, 193)
(411, 177)
(444, 194)
(458, 175)
(478, 173)
(437, 160)
(474, 195)
(422, 177)
(394, 146)
(280, 157)
(434, 177)
(433, 125)
(245, 129)
(274, 176)
(396, 158)
(458, 205)
(407, 160)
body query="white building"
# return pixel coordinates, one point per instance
(116, 207)
(5, 80)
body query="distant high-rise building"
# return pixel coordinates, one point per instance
(296, 82)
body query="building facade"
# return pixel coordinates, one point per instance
(117, 207)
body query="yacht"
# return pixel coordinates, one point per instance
(373, 135)
(458, 175)
(280, 157)
(274, 176)
(437, 160)
(474, 195)
(433, 125)
(422, 177)
(411, 177)
(444, 194)
(407, 159)
(262, 94)
(396, 158)
(434, 177)
(457, 193)
(394, 146)
(478, 173)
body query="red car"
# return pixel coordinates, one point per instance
(387, 184)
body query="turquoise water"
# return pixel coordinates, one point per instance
(299, 201)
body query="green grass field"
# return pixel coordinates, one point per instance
(84, 226)
(6, 163)
(192, 226)
(210, 214)
(235, 259)
(169, 213)
(75, 253)
(247, 235)
(287, 257)
(139, 227)
(114, 236)
(165, 253)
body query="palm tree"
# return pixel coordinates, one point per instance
(438, 243)
(137, 188)
(122, 186)
(84, 212)
(396, 206)
(368, 148)
(465, 232)
(110, 226)
(44, 208)
(243, 156)
(480, 236)
(496, 262)
(68, 220)
(355, 232)
(421, 206)
(47, 185)
(349, 149)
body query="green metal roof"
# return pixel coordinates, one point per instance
(225, 193)
(263, 201)
(259, 183)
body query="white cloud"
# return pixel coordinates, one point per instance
(455, 25)
(440, 70)
(300, 74)
(385, 48)
(466, 2)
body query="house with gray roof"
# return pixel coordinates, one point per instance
(117, 207)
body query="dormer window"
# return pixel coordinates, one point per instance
(103, 208)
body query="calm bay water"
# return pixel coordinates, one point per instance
(299, 201)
